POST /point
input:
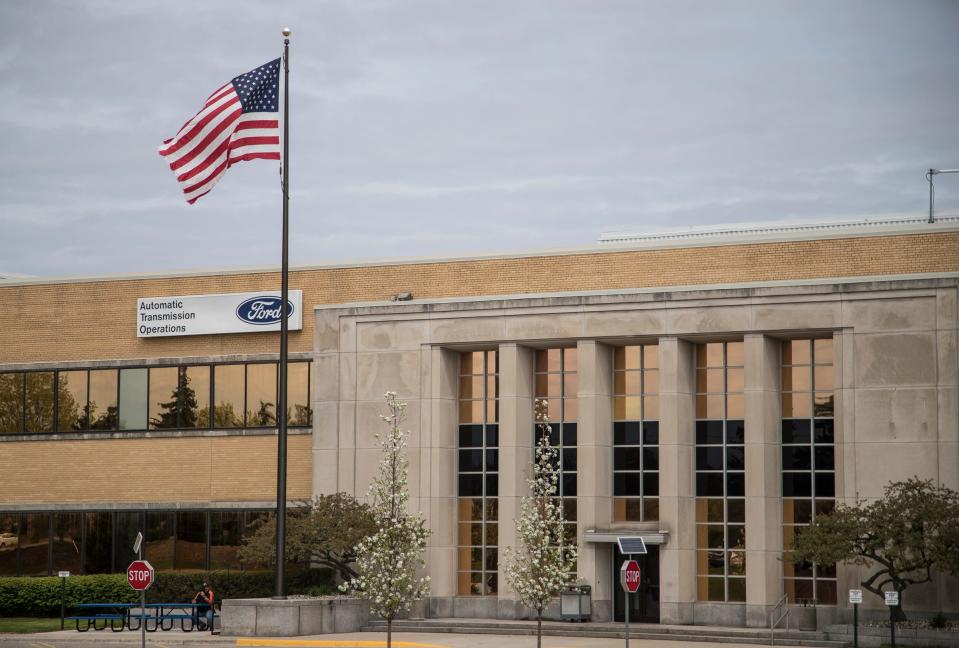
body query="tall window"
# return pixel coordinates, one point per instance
(808, 452)
(636, 433)
(556, 382)
(720, 473)
(478, 474)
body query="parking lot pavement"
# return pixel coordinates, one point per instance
(176, 639)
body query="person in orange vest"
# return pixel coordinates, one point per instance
(204, 599)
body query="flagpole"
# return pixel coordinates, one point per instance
(284, 329)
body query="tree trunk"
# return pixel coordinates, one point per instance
(897, 615)
(539, 629)
(389, 632)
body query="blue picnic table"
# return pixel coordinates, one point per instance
(129, 616)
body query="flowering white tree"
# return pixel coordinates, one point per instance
(541, 566)
(387, 562)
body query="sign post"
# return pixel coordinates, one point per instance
(64, 575)
(140, 575)
(892, 602)
(855, 597)
(629, 579)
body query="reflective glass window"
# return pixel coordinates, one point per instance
(808, 461)
(72, 401)
(66, 541)
(190, 548)
(720, 471)
(226, 537)
(158, 539)
(39, 402)
(477, 477)
(133, 399)
(98, 544)
(261, 393)
(195, 396)
(9, 541)
(635, 456)
(165, 398)
(11, 403)
(34, 544)
(229, 386)
(103, 399)
(298, 394)
(128, 524)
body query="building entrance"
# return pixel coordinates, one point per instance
(644, 604)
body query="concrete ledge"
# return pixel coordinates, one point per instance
(292, 617)
(872, 637)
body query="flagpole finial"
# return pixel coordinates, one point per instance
(287, 31)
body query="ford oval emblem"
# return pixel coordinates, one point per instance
(262, 310)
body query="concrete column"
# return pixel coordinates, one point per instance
(594, 468)
(677, 492)
(764, 535)
(515, 454)
(438, 444)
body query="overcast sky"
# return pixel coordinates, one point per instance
(424, 128)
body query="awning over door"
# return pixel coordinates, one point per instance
(603, 536)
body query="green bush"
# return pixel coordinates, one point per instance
(40, 597)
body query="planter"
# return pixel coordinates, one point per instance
(266, 617)
(802, 617)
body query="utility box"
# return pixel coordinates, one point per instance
(576, 603)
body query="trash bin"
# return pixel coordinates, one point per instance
(576, 603)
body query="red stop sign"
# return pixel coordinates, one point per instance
(629, 576)
(140, 575)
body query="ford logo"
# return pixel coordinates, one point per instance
(262, 310)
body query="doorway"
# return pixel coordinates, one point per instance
(644, 604)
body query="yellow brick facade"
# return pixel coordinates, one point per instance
(202, 470)
(96, 319)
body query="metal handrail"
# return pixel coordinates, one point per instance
(774, 620)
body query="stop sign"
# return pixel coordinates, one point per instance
(629, 576)
(140, 575)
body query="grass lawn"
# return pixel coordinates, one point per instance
(28, 624)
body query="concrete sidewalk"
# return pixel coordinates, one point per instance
(178, 639)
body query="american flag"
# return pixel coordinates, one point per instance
(238, 122)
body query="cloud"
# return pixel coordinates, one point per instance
(435, 128)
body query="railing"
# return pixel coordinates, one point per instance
(779, 612)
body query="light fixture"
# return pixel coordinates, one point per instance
(929, 175)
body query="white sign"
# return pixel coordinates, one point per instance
(250, 312)
(892, 598)
(63, 574)
(855, 596)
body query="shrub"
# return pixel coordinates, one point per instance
(40, 597)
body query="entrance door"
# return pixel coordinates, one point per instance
(644, 604)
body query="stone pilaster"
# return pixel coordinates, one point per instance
(764, 536)
(438, 451)
(594, 467)
(515, 452)
(677, 494)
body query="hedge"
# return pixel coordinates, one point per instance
(40, 597)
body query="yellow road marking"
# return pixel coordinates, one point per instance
(157, 643)
(324, 643)
(42, 645)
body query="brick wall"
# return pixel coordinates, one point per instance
(199, 469)
(97, 319)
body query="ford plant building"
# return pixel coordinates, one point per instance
(712, 391)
